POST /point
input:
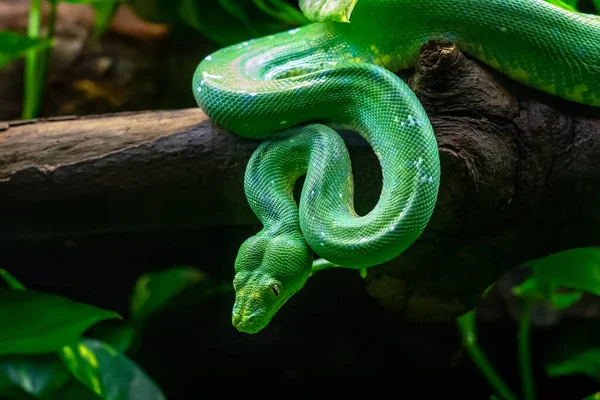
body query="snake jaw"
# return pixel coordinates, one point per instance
(246, 323)
(251, 313)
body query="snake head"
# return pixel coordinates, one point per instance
(269, 270)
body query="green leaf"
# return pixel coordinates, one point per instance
(118, 334)
(570, 5)
(530, 290)
(234, 8)
(213, 21)
(595, 396)
(108, 373)
(562, 300)
(576, 352)
(103, 14)
(39, 375)
(327, 10)
(74, 390)
(34, 322)
(90, 1)
(533, 291)
(154, 290)
(584, 363)
(15, 394)
(282, 11)
(156, 11)
(577, 269)
(12, 282)
(14, 46)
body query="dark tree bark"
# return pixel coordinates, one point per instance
(520, 179)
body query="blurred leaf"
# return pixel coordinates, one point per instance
(282, 11)
(153, 290)
(12, 282)
(213, 21)
(15, 393)
(530, 290)
(34, 322)
(117, 334)
(109, 373)
(234, 8)
(221, 21)
(570, 5)
(533, 291)
(74, 390)
(92, 2)
(328, 10)
(39, 375)
(13, 46)
(562, 300)
(595, 396)
(585, 363)
(577, 352)
(577, 269)
(156, 11)
(103, 14)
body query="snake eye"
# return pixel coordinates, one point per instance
(276, 289)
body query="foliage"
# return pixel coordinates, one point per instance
(13, 46)
(48, 352)
(222, 21)
(576, 352)
(570, 5)
(43, 323)
(328, 10)
(576, 270)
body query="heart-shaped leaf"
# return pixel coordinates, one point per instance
(153, 290)
(109, 373)
(34, 322)
(577, 269)
(117, 334)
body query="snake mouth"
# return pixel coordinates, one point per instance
(247, 323)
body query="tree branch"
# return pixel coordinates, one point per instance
(520, 179)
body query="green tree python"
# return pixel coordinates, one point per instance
(294, 88)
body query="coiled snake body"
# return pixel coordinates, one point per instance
(294, 87)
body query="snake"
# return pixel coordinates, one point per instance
(295, 89)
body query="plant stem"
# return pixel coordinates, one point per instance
(45, 57)
(31, 100)
(525, 354)
(466, 323)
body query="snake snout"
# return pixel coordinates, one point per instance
(236, 319)
(246, 323)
